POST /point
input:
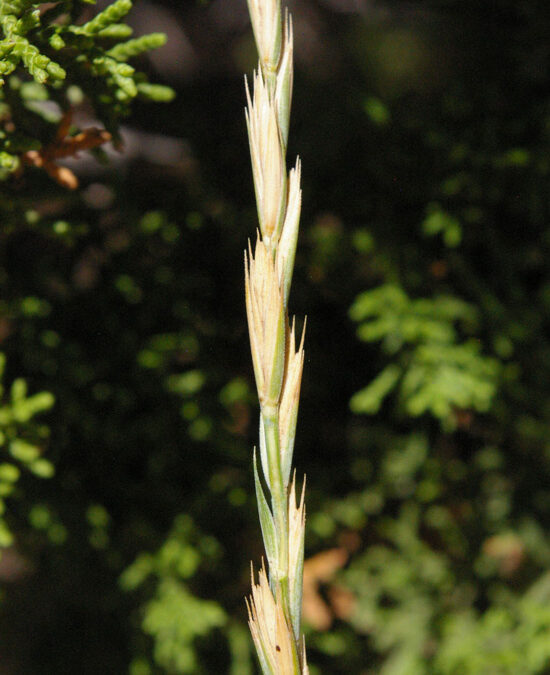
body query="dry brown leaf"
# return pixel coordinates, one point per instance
(320, 569)
(508, 550)
(65, 146)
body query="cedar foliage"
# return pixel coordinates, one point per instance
(49, 61)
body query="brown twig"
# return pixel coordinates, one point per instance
(64, 146)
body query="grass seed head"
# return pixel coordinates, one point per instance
(275, 612)
(290, 398)
(272, 636)
(268, 164)
(285, 78)
(286, 250)
(267, 26)
(266, 323)
(296, 535)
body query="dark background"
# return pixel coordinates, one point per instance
(423, 130)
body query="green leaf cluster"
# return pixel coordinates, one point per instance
(433, 370)
(173, 616)
(449, 635)
(50, 61)
(22, 441)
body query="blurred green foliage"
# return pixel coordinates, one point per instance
(436, 373)
(173, 616)
(21, 441)
(425, 417)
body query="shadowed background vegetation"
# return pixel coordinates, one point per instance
(128, 411)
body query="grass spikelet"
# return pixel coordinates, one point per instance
(276, 602)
